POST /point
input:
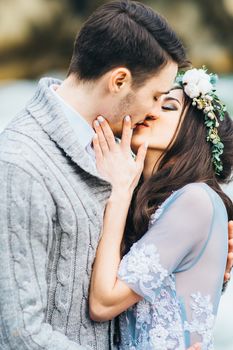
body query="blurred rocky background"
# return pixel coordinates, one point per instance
(36, 39)
(37, 35)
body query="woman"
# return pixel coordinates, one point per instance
(175, 243)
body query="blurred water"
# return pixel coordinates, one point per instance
(225, 90)
(14, 95)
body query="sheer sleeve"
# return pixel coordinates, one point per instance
(176, 238)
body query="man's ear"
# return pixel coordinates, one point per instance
(120, 78)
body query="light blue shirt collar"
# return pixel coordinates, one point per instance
(78, 123)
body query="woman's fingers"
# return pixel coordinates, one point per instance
(141, 155)
(107, 132)
(101, 138)
(196, 346)
(126, 133)
(97, 148)
(106, 136)
(230, 229)
(227, 274)
(229, 264)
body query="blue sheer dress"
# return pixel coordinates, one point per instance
(178, 268)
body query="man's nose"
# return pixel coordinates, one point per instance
(154, 112)
(151, 117)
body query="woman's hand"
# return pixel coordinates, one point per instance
(114, 160)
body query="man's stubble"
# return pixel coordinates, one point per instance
(122, 109)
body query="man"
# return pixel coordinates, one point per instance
(52, 198)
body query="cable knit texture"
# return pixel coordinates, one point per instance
(51, 210)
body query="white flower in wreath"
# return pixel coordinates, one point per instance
(192, 90)
(194, 76)
(191, 77)
(196, 82)
(204, 86)
(203, 75)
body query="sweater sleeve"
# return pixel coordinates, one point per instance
(24, 227)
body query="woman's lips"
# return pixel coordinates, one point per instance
(142, 125)
(145, 123)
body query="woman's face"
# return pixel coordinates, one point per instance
(160, 130)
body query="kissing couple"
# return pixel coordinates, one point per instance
(115, 232)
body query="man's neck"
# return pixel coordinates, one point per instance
(80, 96)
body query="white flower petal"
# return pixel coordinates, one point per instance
(204, 86)
(192, 90)
(191, 76)
(203, 75)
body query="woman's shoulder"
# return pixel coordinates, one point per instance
(196, 189)
(195, 192)
(195, 197)
(199, 191)
(203, 194)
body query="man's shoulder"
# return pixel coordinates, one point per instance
(22, 123)
(20, 164)
(21, 143)
(22, 129)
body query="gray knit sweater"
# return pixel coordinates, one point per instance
(51, 210)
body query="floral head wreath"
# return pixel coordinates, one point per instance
(200, 88)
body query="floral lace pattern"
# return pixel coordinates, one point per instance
(202, 319)
(157, 320)
(142, 267)
(154, 217)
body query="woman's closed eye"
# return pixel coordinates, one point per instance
(169, 107)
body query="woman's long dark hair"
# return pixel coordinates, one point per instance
(188, 159)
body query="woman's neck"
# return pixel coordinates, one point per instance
(151, 162)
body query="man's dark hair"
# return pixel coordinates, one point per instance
(125, 33)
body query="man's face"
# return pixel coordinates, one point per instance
(141, 103)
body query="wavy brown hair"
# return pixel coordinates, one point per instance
(187, 159)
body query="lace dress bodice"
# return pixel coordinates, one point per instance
(178, 268)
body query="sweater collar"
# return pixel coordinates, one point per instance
(48, 114)
(84, 130)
